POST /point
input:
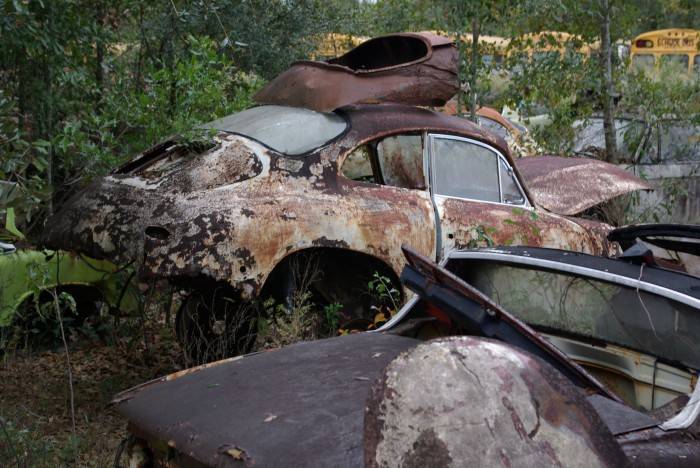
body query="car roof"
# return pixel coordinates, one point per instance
(669, 283)
(369, 121)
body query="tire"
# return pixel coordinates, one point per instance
(212, 325)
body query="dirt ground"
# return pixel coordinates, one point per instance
(35, 416)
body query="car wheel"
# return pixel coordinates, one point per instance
(212, 325)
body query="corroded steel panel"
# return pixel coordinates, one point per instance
(411, 68)
(466, 401)
(569, 186)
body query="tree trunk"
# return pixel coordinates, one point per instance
(608, 103)
(99, 54)
(474, 69)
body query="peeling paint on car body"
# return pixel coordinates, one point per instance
(506, 408)
(234, 211)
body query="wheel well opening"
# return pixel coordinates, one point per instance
(350, 267)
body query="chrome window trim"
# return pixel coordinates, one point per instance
(495, 255)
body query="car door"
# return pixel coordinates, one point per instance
(384, 186)
(479, 201)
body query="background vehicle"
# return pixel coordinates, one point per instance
(667, 47)
(546, 45)
(29, 277)
(517, 136)
(665, 152)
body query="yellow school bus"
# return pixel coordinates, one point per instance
(492, 49)
(537, 46)
(674, 47)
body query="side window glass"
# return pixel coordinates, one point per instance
(466, 170)
(643, 62)
(511, 192)
(401, 161)
(358, 165)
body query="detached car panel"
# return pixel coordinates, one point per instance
(411, 68)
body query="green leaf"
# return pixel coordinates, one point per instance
(10, 224)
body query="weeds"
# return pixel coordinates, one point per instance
(212, 324)
(26, 447)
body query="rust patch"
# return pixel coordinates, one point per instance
(324, 242)
(479, 418)
(410, 68)
(569, 186)
(428, 450)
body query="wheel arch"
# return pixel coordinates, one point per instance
(336, 255)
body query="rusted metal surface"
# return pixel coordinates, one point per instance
(654, 447)
(410, 68)
(569, 186)
(298, 406)
(478, 224)
(378, 399)
(233, 212)
(466, 401)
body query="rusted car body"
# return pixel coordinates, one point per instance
(454, 379)
(278, 183)
(234, 212)
(556, 183)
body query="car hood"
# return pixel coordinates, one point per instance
(569, 186)
(409, 68)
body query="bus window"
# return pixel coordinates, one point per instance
(492, 61)
(676, 61)
(643, 62)
(696, 65)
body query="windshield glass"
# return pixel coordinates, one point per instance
(594, 309)
(287, 130)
